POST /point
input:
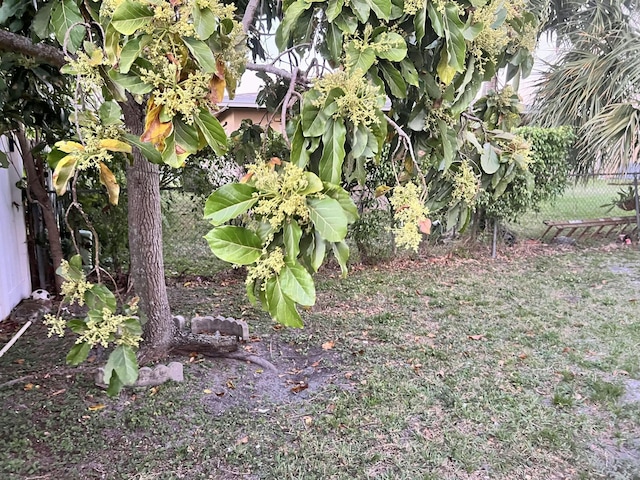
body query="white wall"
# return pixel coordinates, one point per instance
(15, 280)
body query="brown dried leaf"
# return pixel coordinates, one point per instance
(300, 387)
(476, 337)
(95, 408)
(243, 440)
(328, 345)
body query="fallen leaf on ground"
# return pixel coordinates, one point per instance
(476, 337)
(153, 390)
(19, 361)
(207, 391)
(300, 387)
(28, 386)
(95, 408)
(315, 364)
(243, 440)
(307, 420)
(230, 384)
(58, 392)
(328, 345)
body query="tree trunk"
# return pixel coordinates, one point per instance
(37, 189)
(145, 244)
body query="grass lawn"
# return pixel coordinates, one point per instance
(524, 367)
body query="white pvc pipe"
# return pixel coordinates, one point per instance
(15, 338)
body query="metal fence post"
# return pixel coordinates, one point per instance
(635, 195)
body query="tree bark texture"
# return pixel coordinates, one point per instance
(12, 42)
(145, 243)
(37, 189)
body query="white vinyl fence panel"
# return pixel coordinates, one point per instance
(15, 280)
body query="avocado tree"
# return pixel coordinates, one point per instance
(149, 75)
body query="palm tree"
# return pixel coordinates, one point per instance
(595, 84)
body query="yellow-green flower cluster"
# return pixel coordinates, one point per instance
(360, 102)
(493, 41)
(409, 211)
(411, 7)
(279, 193)
(86, 70)
(267, 266)
(465, 185)
(72, 289)
(56, 325)
(102, 330)
(185, 97)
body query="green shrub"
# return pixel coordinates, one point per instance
(545, 180)
(371, 234)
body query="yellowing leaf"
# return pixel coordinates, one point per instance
(382, 190)
(217, 84)
(69, 147)
(425, 226)
(115, 145)
(108, 179)
(207, 391)
(96, 58)
(64, 170)
(155, 131)
(95, 408)
(445, 71)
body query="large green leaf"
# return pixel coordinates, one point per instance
(358, 58)
(341, 252)
(212, 131)
(228, 202)
(65, 18)
(393, 79)
(205, 22)
(489, 159)
(234, 244)
(131, 51)
(391, 46)
(40, 25)
(186, 136)
(131, 16)
(110, 113)
(328, 218)
(169, 154)
(334, 39)
(291, 234)
(382, 8)
(202, 53)
(78, 353)
(131, 82)
(297, 284)
(281, 307)
(333, 152)
(123, 361)
(290, 22)
(362, 9)
(147, 149)
(334, 8)
(315, 120)
(344, 199)
(99, 297)
(314, 184)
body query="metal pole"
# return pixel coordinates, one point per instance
(495, 239)
(635, 190)
(15, 338)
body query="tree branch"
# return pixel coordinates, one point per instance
(249, 14)
(274, 70)
(11, 42)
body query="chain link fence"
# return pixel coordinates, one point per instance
(597, 196)
(186, 251)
